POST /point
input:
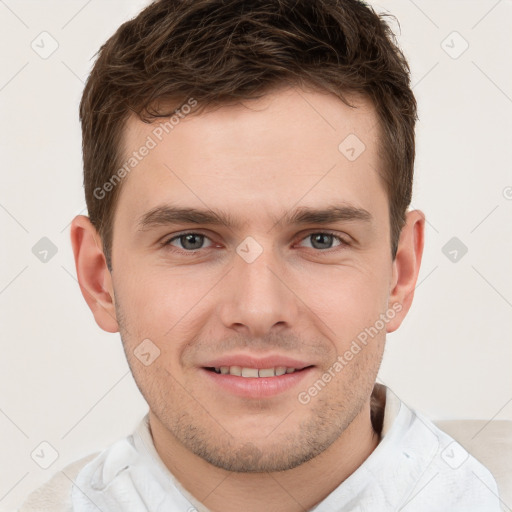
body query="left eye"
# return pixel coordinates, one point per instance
(323, 241)
(189, 241)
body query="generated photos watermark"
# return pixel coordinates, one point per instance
(355, 348)
(157, 135)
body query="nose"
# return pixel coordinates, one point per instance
(256, 296)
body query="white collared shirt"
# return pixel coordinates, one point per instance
(415, 468)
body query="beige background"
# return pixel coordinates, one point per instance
(65, 382)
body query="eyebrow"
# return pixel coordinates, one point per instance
(167, 215)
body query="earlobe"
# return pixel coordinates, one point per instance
(406, 266)
(93, 275)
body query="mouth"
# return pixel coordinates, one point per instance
(256, 382)
(248, 372)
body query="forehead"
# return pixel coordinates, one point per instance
(288, 148)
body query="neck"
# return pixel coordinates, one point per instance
(293, 490)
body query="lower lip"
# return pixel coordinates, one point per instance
(257, 387)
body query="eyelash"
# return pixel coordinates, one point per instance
(167, 244)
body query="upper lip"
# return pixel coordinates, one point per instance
(252, 361)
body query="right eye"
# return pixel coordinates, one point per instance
(190, 241)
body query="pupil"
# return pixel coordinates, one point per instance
(321, 238)
(190, 238)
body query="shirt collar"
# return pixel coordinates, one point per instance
(404, 452)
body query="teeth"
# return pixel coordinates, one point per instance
(253, 372)
(235, 370)
(249, 372)
(267, 372)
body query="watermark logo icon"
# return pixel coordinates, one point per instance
(44, 455)
(45, 45)
(44, 250)
(249, 249)
(454, 45)
(351, 147)
(454, 455)
(454, 249)
(146, 352)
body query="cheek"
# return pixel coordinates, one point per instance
(347, 299)
(157, 295)
(162, 304)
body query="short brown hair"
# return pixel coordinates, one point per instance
(223, 51)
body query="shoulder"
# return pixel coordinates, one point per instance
(454, 479)
(55, 494)
(490, 442)
(441, 474)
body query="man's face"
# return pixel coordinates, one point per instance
(260, 292)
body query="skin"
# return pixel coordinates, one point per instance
(257, 160)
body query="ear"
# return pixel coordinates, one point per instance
(406, 266)
(93, 275)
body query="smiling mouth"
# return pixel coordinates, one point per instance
(240, 371)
